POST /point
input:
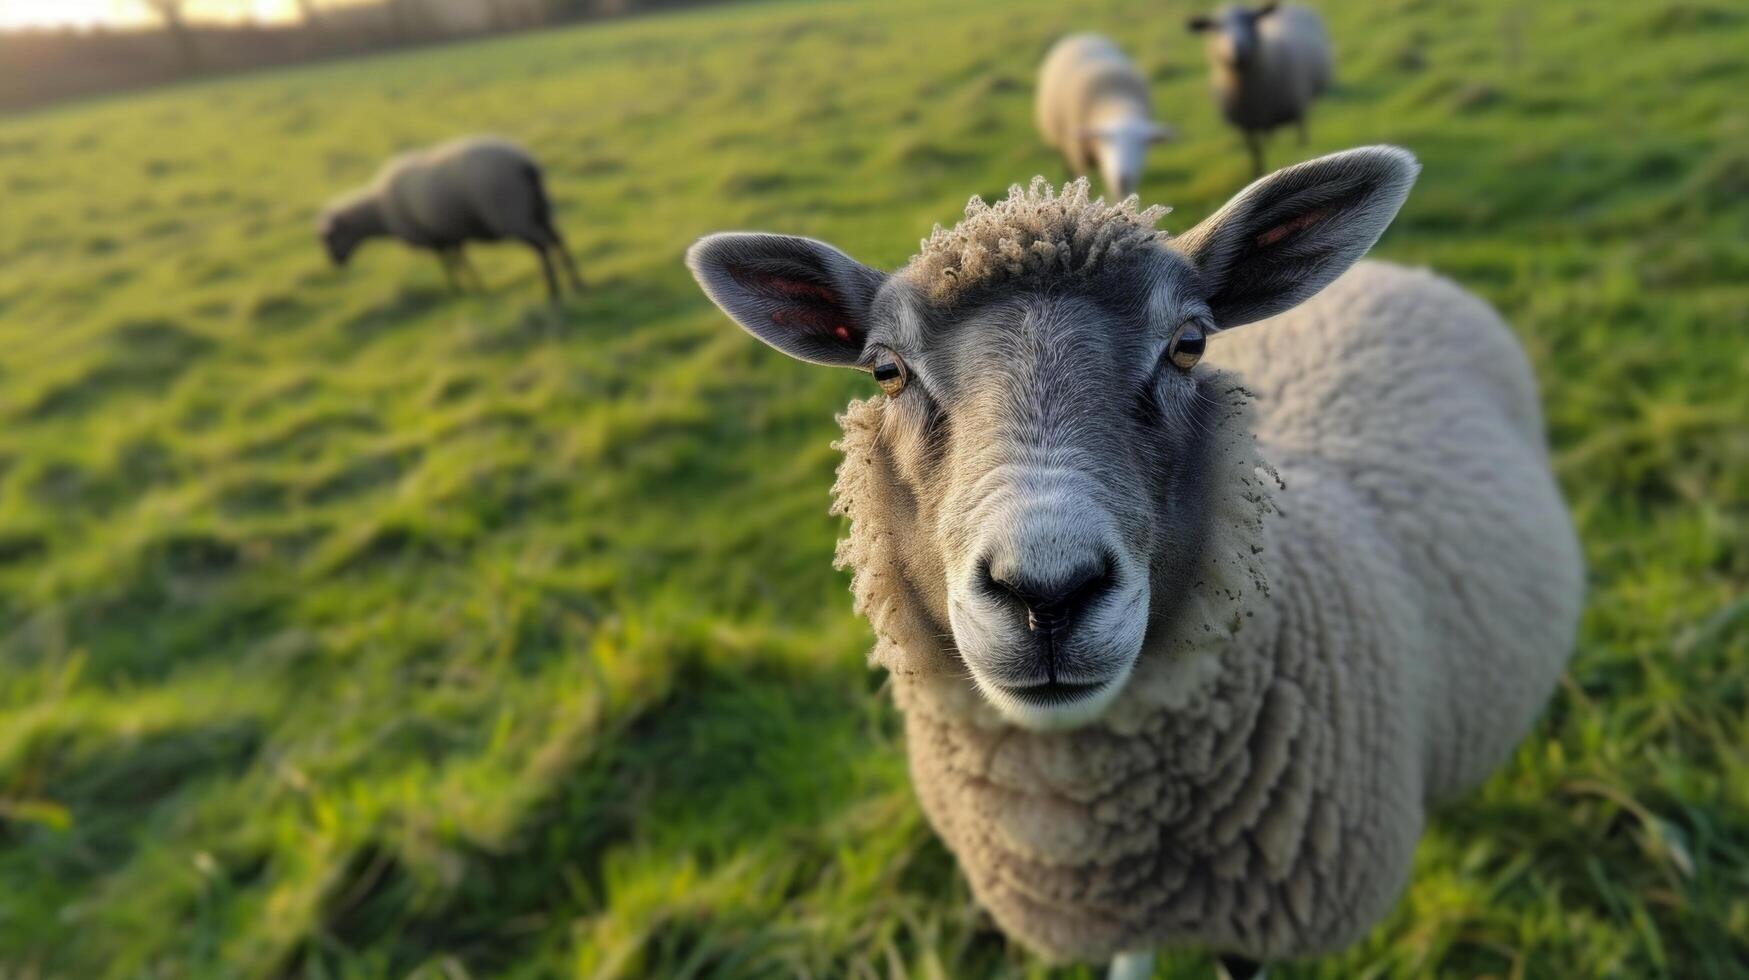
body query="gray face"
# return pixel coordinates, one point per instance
(1233, 33)
(1044, 441)
(1053, 451)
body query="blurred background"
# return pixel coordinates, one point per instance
(353, 627)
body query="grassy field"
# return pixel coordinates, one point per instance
(352, 629)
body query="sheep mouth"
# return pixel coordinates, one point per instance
(1053, 693)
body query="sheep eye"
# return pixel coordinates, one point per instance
(890, 372)
(1185, 347)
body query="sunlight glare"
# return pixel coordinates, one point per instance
(16, 14)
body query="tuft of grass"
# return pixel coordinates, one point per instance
(351, 628)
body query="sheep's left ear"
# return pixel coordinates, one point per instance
(803, 297)
(1289, 234)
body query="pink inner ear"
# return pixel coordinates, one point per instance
(817, 306)
(1285, 229)
(796, 287)
(813, 318)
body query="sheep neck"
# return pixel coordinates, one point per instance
(364, 217)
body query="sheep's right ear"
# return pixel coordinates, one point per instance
(803, 297)
(1199, 23)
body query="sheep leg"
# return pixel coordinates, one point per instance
(1131, 966)
(546, 267)
(448, 258)
(555, 242)
(466, 265)
(1254, 143)
(569, 264)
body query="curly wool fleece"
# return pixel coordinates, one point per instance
(1032, 235)
(1387, 597)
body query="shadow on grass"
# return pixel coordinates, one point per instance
(605, 308)
(1635, 855)
(401, 310)
(139, 356)
(111, 782)
(188, 596)
(766, 747)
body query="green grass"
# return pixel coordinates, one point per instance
(351, 629)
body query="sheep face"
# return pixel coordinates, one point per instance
(1051, 445)
(1232, 41)
(339, 239)
(1037, 482)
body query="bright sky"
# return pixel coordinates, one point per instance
(116, 13)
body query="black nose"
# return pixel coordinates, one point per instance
(1051, 604)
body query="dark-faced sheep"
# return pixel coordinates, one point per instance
(1266, 65)
(1093, 108)
(478, 189)
(1190, 625)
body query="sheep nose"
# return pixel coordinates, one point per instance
(1051, 604)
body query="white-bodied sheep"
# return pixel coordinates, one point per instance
(1185, 646)
(1093, 107)
(477, 189)
(1266, 66)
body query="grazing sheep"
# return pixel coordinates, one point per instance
(1186, 646)
(1266, 67)
(477, 189)
(1093, 107)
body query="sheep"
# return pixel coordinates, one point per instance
(1266, 66)
(476, 189)
(1093, 107)
(1186, 646)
